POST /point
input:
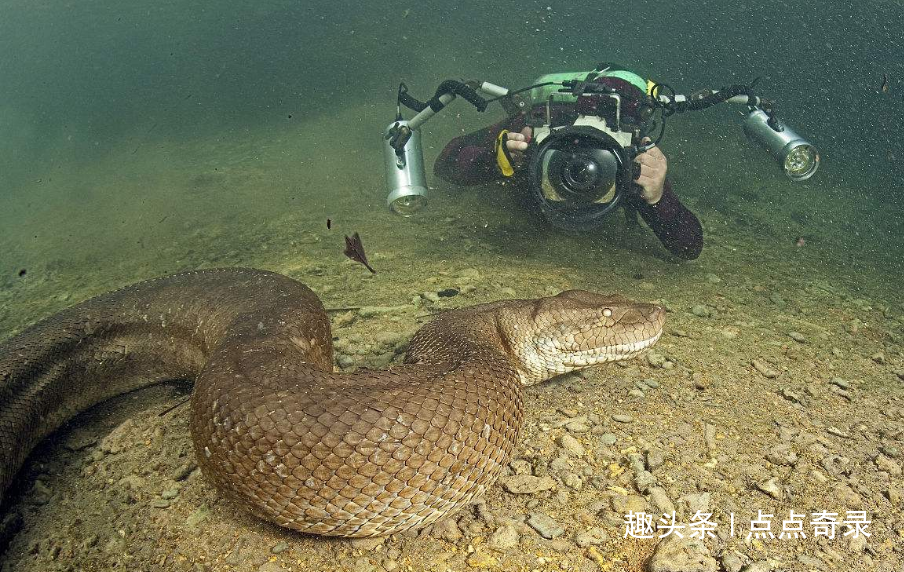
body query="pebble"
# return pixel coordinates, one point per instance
(504, 538)
(782, 455)
(622, 418)
(764, 369)
(160, 503)
(798, 337)
(676, 554)
(527, 484)
(697, 502)
(660, 500)
(637, 393)
(591, 537)
(700, 311)
(732, 562)
(521, 467)
(771, 488)
(577, 427)
(481, 560)
(889, 466)
(651, 383)
(270, 567)
(545, 525)
(430, 296)
(447, 529)
(890, 451)
(280, 547)
(713, 278)
(197, 517)
(759, 566)
(655, 359)
(655, 459)
(571, 445)
(573, 481)
(608, 439)
(894, 495)
(367, 544)
(837, 381)
(169, 494)
(183, 471)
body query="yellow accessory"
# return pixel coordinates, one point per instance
(503, 155)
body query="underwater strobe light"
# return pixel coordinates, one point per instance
(404, 167)
(798, 158)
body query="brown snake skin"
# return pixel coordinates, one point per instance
(345, 454)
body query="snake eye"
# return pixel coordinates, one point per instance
(607, 312)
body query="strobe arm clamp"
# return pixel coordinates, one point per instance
(446, 93)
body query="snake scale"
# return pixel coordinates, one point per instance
(275, 428)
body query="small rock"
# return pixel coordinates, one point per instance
(764, 369)
(280, 547)
(527, 484)
(366, 544)
(732, 562)
(660, 500)
(573, 481)
(797, 337)
(879, 358)
(481, 560)
(521, 467)
(591, 537)
(782, 455)
(789, 395)
(676, 554)
(889, 466)
(184, 470)
(890, 451)
(572, 445)
(637, 393)
(545, 525)
(622, 418)
(160, 503)
(759, 566)
(504, 538)
(771, 488)
(894, 495)
(651, 383)
(447, 529)
(700, 311)
(608, 439)
(200, 515)
(169, 494)
(713, 278)
(655, 459)
(655, 359)
(623, 504)
(857, 543)
(577, 427)
(697, 502)
(837, 381)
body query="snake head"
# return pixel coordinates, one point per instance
(578, 329)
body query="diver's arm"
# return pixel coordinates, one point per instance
(470, 159)
(677, 228)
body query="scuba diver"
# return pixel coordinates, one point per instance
(579, 146)
(505, 149)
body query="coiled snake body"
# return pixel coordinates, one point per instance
(359, 454)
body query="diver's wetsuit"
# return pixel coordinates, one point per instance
(470, 160)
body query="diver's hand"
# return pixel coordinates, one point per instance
(653, 166)
(517, 143)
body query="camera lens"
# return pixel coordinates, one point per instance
(582, 176)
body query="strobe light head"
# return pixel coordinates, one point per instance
(797, 157)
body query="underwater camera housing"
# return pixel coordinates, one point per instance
(580, 172)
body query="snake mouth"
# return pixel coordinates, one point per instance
(603, 354)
